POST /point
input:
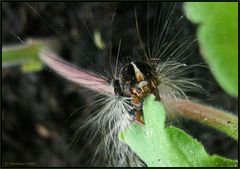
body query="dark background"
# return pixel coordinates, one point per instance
(39, 109)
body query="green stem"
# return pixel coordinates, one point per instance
(25, 55)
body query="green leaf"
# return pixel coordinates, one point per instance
(159, 146)
(218, 39)
(25, 56)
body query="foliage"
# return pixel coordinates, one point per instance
(218, 39)
(159, 146)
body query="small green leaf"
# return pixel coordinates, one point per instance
(158, 146)
(218, 39)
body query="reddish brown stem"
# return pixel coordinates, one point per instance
(218, 119)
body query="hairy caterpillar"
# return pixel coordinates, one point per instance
(164, 57)
(129, 83)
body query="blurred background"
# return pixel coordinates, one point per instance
(39, 108)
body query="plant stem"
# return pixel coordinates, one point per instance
(218, 119)
(25, 55)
